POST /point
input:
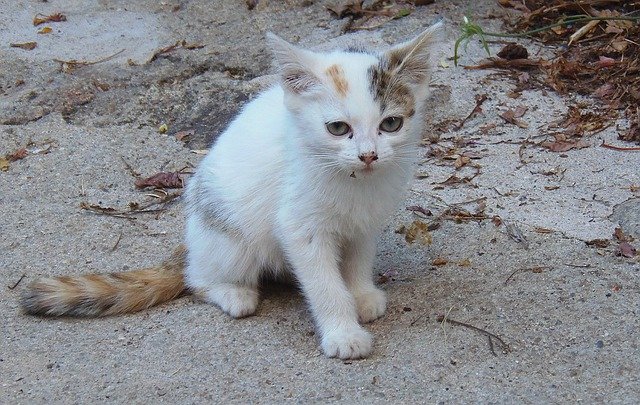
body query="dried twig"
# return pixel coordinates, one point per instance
(71, 64)
(538, 269)
(503, 344)
(17, 282)
(480, 99)
(115, 246)
(619, 148)
(134, 208)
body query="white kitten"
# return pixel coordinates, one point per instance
(303, 180)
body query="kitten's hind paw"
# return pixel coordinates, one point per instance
(347, 343)
(236, 300)
(371, 305)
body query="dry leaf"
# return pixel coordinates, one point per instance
(4, 164)
(440, 261)
(349, 8)
(510, 117)
(40, 19)
(419, 209)
(17, 155)
(29, 46)
(464, 262)
(389, 275)
(538, 229)
(184, 135)
(563, 146)
(605, 61)
(599, 243)
(417, 231)
(513, 51)
(633, 134)
(626, 250)
(45, 30)
(161, 180)
(461, 161)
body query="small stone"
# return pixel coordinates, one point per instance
(599, 344)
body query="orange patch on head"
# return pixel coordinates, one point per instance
(336, 74)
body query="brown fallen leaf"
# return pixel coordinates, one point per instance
(389, 275)
(563, 146)
(619, 234)
(496, 220)
(417, 231)
(626, 250)
(633, 134)
(605, 61)
(599, 243)
(17, 155)
(45, 30)
(510, 117)
(41, 19)
(185, 135)
(161, 180)
(461, 161)
(29, 46)
(539, 229)
(439, 261)
(464, 262)
(419, 209)
(4, 164)
(349, 8)
(513, 51)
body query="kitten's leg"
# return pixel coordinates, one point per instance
(315, 264)
(221, 269)
(357, 269)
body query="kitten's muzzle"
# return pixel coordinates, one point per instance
(368, 158)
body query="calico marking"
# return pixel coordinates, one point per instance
(336, 74)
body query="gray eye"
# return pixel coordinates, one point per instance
(338, 128)
(391, 124)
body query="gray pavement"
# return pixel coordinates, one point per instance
(568, 311)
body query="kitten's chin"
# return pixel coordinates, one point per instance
(363, 172)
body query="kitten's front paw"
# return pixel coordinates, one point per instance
(371, 305)
(347, 343)
(237, 301)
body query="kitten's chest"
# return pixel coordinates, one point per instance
(359, 205)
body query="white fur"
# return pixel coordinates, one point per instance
(288, 195)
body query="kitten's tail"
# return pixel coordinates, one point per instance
(107, 294)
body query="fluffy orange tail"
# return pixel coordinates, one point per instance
(107, 294)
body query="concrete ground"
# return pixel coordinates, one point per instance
(568, 311)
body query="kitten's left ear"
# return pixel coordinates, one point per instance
(413, 60)
(294, 65)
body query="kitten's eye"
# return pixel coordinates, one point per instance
(338, 128)
(391, 124)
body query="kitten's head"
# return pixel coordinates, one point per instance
(357, 111)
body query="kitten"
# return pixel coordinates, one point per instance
(301, 182)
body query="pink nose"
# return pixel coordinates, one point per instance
(367, 158)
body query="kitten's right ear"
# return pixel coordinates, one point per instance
(294, 65)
